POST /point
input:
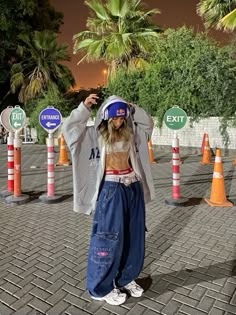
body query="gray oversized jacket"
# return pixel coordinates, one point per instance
(88, 157)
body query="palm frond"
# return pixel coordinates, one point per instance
(16, 81)
(86, 43)
(212, 11)
(229, 21)
(33, 88)
(98, 9)
(119, 8)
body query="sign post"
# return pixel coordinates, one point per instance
(17, 120)
(175, 118)
(50, 120)
(10, 152)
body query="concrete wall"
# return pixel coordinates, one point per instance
(189, 137)
(192, 136)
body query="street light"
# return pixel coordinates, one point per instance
(104, 76)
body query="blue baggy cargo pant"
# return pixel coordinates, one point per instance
(117, 244)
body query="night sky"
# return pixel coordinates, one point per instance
(173, 14)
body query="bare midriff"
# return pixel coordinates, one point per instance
(117, 161)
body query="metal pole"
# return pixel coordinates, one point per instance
(104, 77)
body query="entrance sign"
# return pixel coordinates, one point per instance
(5, 114)
(175, 118)
(50, 119)
(17, 118)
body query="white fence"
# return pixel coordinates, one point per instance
(192, 136)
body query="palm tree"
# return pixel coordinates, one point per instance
(120, 33)
(40, 67)
(217, 13)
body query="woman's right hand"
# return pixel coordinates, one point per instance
(91, 100)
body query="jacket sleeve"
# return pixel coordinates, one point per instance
(142, 119)
(75, 125)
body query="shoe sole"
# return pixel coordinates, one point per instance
(134, 295)
(105, 300)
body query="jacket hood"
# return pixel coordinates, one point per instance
(110, 100)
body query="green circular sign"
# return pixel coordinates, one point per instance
(175, 118)
(17, 118)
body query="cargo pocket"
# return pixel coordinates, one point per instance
(103, 247)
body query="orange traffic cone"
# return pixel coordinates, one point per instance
(63, 159)
(203, 143)
(206, 157)
(218, 197)
(150, 152)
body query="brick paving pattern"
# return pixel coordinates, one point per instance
(190, 262)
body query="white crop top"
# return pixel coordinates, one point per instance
(119, 146)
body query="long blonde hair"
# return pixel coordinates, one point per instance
(111, 135)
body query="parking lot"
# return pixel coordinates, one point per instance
(190, 262)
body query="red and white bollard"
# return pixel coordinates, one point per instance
(10, 167)
(17, 198)
(50, 197)
(176, 200)
(10, 162)
(50, 154)
(175, 169)
(17, 165)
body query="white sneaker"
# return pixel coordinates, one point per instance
(134, 289)
(115, 297)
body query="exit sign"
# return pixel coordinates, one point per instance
(175, 118)
(17, 118)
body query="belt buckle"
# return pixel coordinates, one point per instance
(127, 181)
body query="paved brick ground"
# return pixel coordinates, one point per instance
(190, 264)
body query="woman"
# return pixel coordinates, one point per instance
(111, 175)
